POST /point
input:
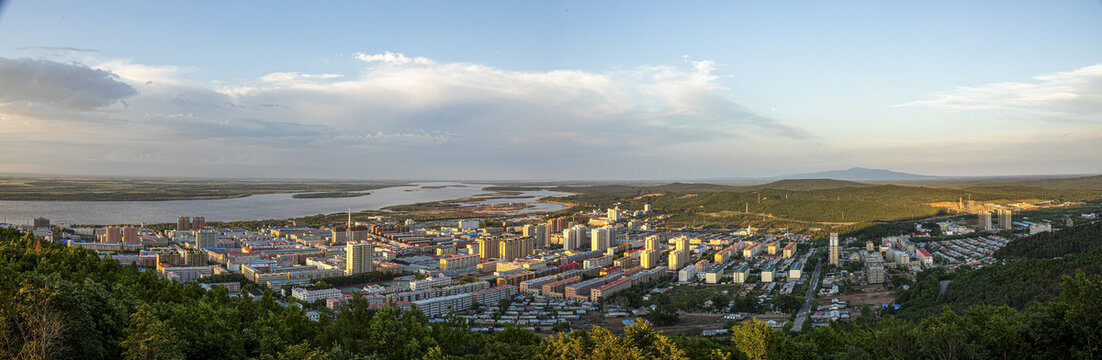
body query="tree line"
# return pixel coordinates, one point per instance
(63, 303)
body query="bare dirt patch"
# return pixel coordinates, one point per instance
(872, 295)
(640, 197)
(693, 324)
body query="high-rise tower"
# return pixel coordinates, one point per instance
(1005, 221)
(833, 249)
(985, 221)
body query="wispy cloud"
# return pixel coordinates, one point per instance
(1076, 92)
(392, 58)
(56, 48)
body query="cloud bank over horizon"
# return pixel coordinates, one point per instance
(402, 116)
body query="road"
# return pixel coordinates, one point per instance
(802, 315)
(942, 285)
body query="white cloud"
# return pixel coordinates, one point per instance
(415, 117)
(392, 58)
(296, 77)
(142, 73)
(1077, 92)
(426, 94)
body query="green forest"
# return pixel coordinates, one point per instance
(1032, 271)
(808, 205)
(819, 200)
(1045, 245)
(70, 304)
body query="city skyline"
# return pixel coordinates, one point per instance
(563, 90)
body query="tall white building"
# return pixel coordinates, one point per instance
(678, 259)
(358, 257)
(985, 221)
(833, 249)
(538, 233)
(1005, 222)
(206, 239)
(614, 214)
(601, 238)
(469, 224)
(574, 238)
(681, 243)
(646, 208)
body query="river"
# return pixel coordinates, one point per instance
(255, 207)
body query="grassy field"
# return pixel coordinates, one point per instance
(818, 205)
(108, 189)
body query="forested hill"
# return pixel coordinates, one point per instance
(816, 200)
(1078, 239)
(802, 184)
(1029, 275)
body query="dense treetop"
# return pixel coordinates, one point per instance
(66, 303)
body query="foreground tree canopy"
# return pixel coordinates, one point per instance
(63, 303)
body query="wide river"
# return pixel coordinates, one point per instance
(255, 207)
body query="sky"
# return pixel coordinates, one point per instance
(549, 90)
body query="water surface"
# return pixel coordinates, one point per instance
(255, 207)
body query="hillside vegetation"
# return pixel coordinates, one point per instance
(1078, 239)
(1093, 182)
(1028, 276)
(802, 200)
(802, 184)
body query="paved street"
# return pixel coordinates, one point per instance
(802, 315)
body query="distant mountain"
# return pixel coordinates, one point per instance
(858, 174)
(803, 184)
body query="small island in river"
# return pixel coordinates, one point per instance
(332, 194)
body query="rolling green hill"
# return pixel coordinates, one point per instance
(816, 200)
(1093, 182)
(803, 184)
(1078, 239)
(1032, 273)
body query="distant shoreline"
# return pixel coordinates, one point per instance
(101, 189)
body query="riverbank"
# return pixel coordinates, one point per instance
(60, 188)
(263, 207)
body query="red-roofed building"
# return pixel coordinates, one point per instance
(924, 257)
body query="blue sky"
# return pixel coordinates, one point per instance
(549, 90)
